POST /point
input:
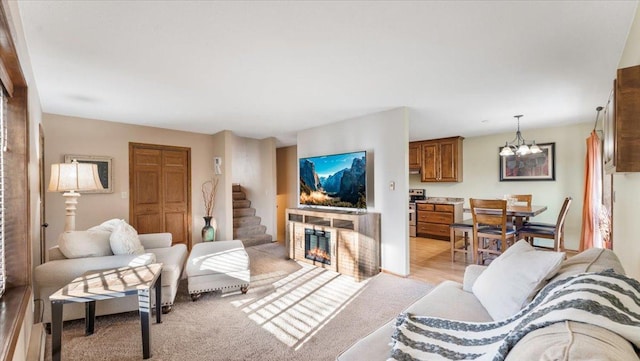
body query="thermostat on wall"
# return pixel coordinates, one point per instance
(217, 165)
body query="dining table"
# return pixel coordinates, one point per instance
(518, 212)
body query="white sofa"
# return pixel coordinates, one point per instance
(558, 341)
(59, 270)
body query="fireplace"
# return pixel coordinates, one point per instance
(317, 245)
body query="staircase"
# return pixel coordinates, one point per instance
(246, 225)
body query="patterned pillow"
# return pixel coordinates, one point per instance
(124, 240)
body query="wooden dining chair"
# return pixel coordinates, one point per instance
(523, 199)
(520, 200)
(552, 231)
(491, 235)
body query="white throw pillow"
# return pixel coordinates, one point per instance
(79, 244)
(124, 240)
(513, 279)
(108, 226)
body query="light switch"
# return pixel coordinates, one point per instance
(124, 195)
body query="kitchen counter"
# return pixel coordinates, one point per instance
(442, 200)
(435, 215)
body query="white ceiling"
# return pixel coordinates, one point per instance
(270, 68)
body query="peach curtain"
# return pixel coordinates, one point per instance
(592, 200)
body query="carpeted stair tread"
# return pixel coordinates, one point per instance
(249, 231)
(244, 203)
(246, 221)
(243, 212)
(256, 240)
(246, 225)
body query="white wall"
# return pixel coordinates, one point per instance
(481, 175)
(254, 168)
(384, 136)
(626, 187)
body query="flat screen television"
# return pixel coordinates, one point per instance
(334, 181)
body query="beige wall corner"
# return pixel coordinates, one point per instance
(254, 168)
(287, 187)
(223, 195)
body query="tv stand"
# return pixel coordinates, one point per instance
(354, 239)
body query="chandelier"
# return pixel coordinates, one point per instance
(519, 146)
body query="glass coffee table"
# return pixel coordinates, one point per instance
(94, 286)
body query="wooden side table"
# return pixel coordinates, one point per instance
(94, 286)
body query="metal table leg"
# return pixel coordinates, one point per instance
(144, 305)
(56, 330)
(158, 288)
(89, 317)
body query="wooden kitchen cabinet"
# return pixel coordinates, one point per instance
(621, 123)
(441, 160)
(434, 219)
(414, 156)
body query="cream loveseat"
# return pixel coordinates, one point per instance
(60, 270)
(558, 341)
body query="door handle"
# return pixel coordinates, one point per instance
(45, 225)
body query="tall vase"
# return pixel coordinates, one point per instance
(209, 230)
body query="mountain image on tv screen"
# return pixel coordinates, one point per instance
(337, 180)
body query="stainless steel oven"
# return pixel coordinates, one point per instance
(414, 195)
(412, 219)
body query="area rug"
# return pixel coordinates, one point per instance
(293, 311)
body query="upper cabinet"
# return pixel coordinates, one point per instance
(439, 160)
(621, 125)
(414, 156)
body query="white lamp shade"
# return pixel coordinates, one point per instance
(535, 149)
(506, 151)
(522, 150)
(74, 176)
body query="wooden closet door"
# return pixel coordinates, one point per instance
(175, 200)
(160, 193)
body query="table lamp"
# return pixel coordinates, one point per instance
(71, 178)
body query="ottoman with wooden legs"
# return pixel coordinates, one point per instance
(217, 265)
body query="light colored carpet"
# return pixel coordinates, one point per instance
(292, 311)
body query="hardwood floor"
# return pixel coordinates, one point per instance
(431, 261)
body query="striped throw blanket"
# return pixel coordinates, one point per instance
(604, 299)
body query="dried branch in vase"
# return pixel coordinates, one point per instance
(209, 195)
